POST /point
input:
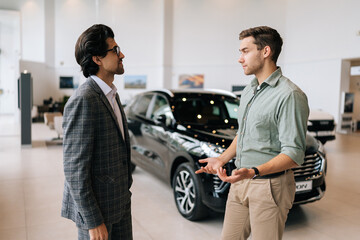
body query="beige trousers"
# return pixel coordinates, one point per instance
(259, 207)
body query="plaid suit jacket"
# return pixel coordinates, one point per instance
(96, 159)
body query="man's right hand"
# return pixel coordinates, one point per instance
(99, 233)
(213, 164)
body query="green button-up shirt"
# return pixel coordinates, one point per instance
(272, 120)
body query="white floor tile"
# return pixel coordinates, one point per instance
(31, 185)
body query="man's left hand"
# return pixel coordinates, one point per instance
(236, 175)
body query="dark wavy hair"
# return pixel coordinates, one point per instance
(265, 36)
(91, 43)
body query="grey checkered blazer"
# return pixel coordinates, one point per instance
(96, 159)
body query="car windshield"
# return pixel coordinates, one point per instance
(205, 109)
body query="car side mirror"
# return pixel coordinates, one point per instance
(161, 119)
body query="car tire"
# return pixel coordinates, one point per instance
(132, 167)
(187, 193)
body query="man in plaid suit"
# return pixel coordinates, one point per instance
(96, 143)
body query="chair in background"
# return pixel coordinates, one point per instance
(58, 125)
(49, 118)
(34, 112)
(54, 121)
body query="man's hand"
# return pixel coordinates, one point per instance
(99, 233)
(213, 164)
(236, 175)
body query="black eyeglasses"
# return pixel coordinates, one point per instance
(116, 50)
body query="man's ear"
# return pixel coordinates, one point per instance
(267, 51)
(96, 60)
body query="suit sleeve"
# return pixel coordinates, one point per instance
(78, 146)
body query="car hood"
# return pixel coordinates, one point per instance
(215, 135)
(224, 136)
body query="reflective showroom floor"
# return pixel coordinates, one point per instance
(31, 184)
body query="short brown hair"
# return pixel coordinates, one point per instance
(265, 36)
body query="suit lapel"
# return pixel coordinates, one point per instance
(106, 102)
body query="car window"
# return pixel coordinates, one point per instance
(187, 109)
(232, 108)
(161, 107)
(159, 103)
(206, 109)
(142, 103)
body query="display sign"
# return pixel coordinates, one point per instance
(191, 81)
(303, 186)
(135, 81)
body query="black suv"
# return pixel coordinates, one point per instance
(171, 130)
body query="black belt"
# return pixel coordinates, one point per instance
(270, 175)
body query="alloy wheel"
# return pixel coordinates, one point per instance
(185, 192)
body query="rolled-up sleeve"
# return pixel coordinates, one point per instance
(292, 126)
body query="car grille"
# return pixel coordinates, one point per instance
(311, 166)
(220, 188)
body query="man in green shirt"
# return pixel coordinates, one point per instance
(273, 115)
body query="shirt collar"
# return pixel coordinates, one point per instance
(274, 77)
(104, 87)
(271, 80)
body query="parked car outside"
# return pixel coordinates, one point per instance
(171, 130)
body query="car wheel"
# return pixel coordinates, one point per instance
(186, 187)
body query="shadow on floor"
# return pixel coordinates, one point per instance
(296, 216)
(47, 143)
(54, 142)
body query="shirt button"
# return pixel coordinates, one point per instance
(244, 118)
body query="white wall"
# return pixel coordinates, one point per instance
(31, 39)
(317, 36)
(33, 30)
(137, 26)
(321, 30)
(9, 60)
(206, 37)
(320, 80)
(32, 25)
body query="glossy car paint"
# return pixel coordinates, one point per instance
(160, 143)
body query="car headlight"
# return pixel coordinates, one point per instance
(211, 150)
